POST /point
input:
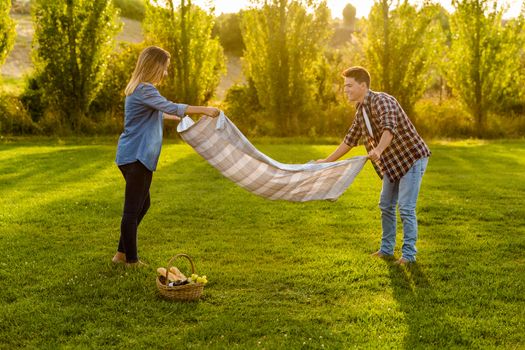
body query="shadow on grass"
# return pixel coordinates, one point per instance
(467, 201)
(424, 315)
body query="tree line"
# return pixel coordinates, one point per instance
(467, 65)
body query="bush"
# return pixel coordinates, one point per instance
(447, 119)
(33, 98)
(110, 98)
(334, 120)
(451, 119)
(243, 108)
(505, 126)
(14, 118)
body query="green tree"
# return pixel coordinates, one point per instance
(284, 42)
(110, 100)
(7, 30)
(133, 9)
(228, 29)
(73, 41)
(401, 46)
(483, 66)
(197, 58)
(349, 13)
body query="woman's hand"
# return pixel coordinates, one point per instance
(171, 116)
(212, 112)
(209, 111)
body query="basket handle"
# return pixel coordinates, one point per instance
(178, 256)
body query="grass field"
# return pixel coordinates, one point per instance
(282, 275)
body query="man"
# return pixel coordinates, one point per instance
(398, 153)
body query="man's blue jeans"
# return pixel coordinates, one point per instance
(405, 192)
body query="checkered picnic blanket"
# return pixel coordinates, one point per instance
(220, 142)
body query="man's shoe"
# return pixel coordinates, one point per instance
(402, 262)
(378, 254)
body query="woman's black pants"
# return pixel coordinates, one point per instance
(136, 205)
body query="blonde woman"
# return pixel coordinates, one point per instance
(139, 145)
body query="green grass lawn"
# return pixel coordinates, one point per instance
(282, 275)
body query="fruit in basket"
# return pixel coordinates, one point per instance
(194, 278)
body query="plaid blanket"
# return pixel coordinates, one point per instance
(220, 142)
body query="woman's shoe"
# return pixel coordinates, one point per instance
(119, 258)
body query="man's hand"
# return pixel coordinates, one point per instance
(375, 154)
(386, 138)
(321, 161)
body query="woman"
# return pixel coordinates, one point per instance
(139, 145)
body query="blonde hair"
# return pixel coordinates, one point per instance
(152, 63)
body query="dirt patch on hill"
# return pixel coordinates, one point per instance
(19, 62)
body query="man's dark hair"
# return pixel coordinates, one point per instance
(359, 74)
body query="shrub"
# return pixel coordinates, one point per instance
(448, 119)
(334, 120)
(33, 98)
(242, 106)
(14, 118)
(110, 98)
(505, 126)
(451, 119)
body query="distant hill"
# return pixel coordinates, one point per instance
(19, 61)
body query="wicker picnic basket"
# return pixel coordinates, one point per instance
(186, 292)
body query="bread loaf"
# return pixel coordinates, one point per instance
(161, 271)
(177, 273)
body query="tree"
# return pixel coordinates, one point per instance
(228, 29)
(7, 30)
(73, 41)
(197, 58)
(133, 9)
(284, 46)
(349, 13)
(483, 65)
(402, 44)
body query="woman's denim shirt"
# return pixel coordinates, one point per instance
(143, 121)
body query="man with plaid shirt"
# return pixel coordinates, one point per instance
(398, 153)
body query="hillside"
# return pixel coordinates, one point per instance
(18, 62)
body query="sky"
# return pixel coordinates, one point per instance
(336, 6)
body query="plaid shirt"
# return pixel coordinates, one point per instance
(385, 113)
